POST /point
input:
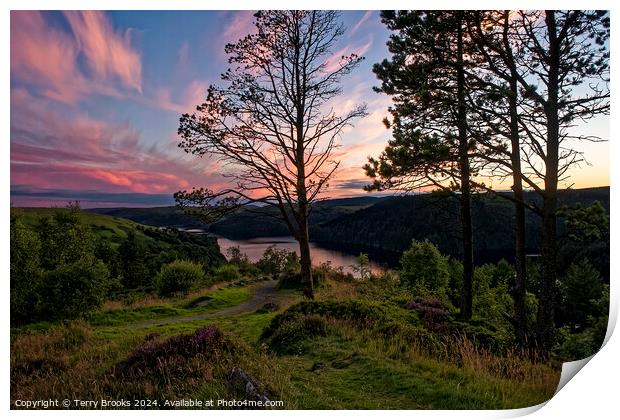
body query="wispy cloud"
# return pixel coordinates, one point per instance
(48, 58)
(361, 22)
(108, 53)
(79, 152)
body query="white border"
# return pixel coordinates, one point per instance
(593, 394)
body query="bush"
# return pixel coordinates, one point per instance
(25, 272)
(74, 290)
(178, 276)
(433, 313)
(291, 279)
(172, 368)
(154, 357)
(54, 271)
(289, 337)
(578, 289)
(455, 282)
(361, 312)
(132, 261)
(424, 269)
(227, 272)
(274, 261)
(491, 299)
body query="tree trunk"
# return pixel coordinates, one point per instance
(467, 230)
(520, 287)
(545, 324)
(517, 187)
(304, 250)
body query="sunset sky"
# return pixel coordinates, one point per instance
(96, 99)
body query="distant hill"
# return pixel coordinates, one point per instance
(153, 216)
(384, 226)
(391, 224)
(243, 224)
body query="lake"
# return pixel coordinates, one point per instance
(255, 247)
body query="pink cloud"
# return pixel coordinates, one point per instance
(194, 94)
(241, 24)
(336, 58)
(109, 53)
(46, 57)
(79, 152)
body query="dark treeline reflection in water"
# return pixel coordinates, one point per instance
(254, 248)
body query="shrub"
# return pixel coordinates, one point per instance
(178, 276)
(289, 337)
(579, 288)
(455, 282)
(433, 313)
(132, 261)
(26, 272)
(274, 261)
(227, 272)
(291, 279)
(424, 269)
(361, 312)
(154, 357)
(172, 368)
(491, 299)
(75, 289)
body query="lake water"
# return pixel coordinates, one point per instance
(255, 247)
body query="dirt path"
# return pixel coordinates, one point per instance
(261, 293)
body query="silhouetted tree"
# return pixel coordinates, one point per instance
(565, 80)
(431, 147)
(272, 123)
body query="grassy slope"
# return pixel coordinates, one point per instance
(110, 228)
(360, 371)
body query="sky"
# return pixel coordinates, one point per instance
(96, 99)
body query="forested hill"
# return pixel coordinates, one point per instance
(391, 224)
(386, 225)
(153, 216)
(244, 224)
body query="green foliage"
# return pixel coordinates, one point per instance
(291, 335)
(385, 287)
(585, 223)
(75, 289)
(275, 261)
(579, 288)
(64, 239)
(132, 255)
(455, 282)
(227, 272)
(362, 266)
(361, 312)
(178, 276)
(491, 300)
(25, 272)
(424, 269)
(54, 271)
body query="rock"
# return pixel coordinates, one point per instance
(270, 307)
(317, 366)
(245, 383)
(203, 302)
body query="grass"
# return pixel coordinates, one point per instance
(354, 366)
(156, 308)
(107, 227)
